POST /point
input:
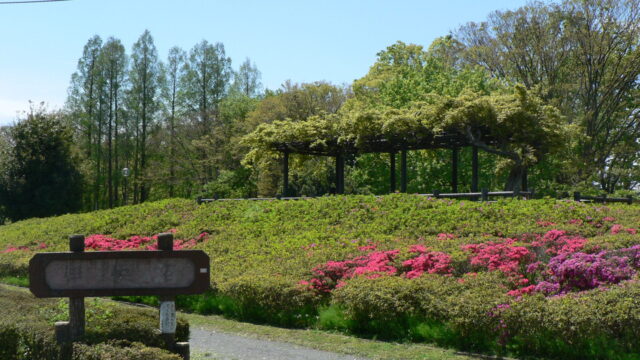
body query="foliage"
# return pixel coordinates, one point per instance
(41, 176)
(294, 103)
(582, 57)
(516, 125)
(113, 331)
(117, 350)
(411, 95)
(261, 250)
(174, 126)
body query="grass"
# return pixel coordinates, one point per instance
(328, 341)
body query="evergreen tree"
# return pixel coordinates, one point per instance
(41, 177)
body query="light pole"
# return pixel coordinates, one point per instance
(125, 174)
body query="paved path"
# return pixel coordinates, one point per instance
(223, 346)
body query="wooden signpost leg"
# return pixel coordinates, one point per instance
(76, 304)
(168, 309)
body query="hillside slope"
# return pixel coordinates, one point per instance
(398, 266)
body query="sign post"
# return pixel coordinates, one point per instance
(76, 303)
(78, 274)
(168, 322)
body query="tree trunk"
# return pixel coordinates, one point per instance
(514, 181)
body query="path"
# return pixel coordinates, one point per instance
(211, 344)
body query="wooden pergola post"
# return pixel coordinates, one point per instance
(454, 170)
(392, 166)
(474, 169)
(340, 174)
(403, 171)
(285, 174)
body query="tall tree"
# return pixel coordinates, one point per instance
(247, 79)
(205, 83)
(82, 101)
(173, 72)
(206, 80)
(113, 64)
(144, 77)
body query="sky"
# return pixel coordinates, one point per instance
(297, 40)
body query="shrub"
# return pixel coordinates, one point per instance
(269, 299)
(120, 351)
(27, 332)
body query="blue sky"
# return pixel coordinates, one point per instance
(300, 40)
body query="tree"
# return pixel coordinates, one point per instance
(173, 72)
(83, 103)
(113, 63)
(402, 75)
(582, 57)
(204, 84)
(144, 77)
(5, 162)
(206, 81)
(247, 79)
(42, 178)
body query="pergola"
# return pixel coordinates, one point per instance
(339, 151)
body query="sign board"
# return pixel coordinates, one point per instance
(118, 273)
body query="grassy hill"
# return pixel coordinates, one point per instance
(455, 273)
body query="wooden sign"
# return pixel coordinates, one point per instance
(78, 274)
(118, 273)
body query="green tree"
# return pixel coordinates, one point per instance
(83, 107)
(145, 78)
(582, 57)
(173, 72)
(42, 179)
(402, 75)
(113, 64)
(205, 83)
(247, 79)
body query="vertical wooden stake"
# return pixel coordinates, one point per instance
(392, 168)
(525, 180)
(454, 170)
(76, 304)
(285, 174)
(168, 320)
(182, 349)
(403, 171)
(62, 332)
(340, 174)
(474, 169)
(576, 196)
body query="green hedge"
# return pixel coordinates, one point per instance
(27, 331)
(119, 350)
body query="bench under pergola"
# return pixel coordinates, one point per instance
(453, 142)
